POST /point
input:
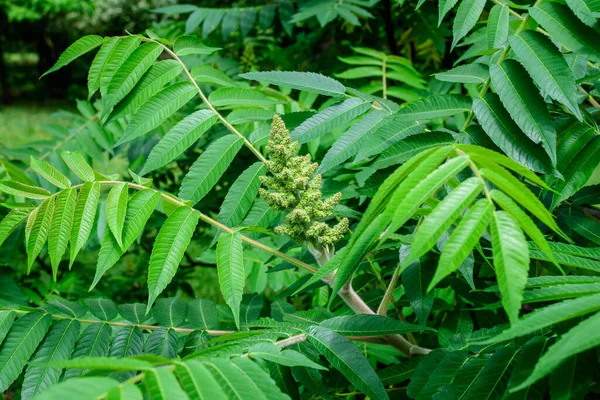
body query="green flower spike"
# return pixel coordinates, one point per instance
(292, 186)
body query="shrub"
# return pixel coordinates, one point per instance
(448, 242)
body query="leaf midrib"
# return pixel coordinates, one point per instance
(343, 361)
(211, 170)
(524, 105)
(176, 95)
(52, 354)
(548, 73)
(173, 242)
(22, 342)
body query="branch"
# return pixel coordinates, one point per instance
(290, 341)
(486, 85)
(214, 223)
(389, 292)
(358, 305)
(590, 97)
(208, 104)
(141, 326)
(384, 78)
(347, 293)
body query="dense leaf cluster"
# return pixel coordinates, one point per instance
(469, 211)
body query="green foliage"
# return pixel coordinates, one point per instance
(168, 250)
(385, 73)
(139, 208)
(524, 104)
(306, 81)
(90, 349)
(179, 139)
(209, 167)
(77, 49)
(230, 264)
(156, 110)
(321, 123)
(443, 244)
(343, 355)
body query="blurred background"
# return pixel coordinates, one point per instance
(33, 33)
(283, 34)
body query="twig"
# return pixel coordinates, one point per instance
(389, 292)
(230, 127)
(214, 223)
(141, 326)
(590, 97)
(358, 305)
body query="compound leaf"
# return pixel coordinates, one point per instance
(209, 167)
(306, 81)
(348, 359)
(77, 49)
(230, 268)
(168, 250)
(156, 110)
(511, 261)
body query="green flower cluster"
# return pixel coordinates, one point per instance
(292, 186)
